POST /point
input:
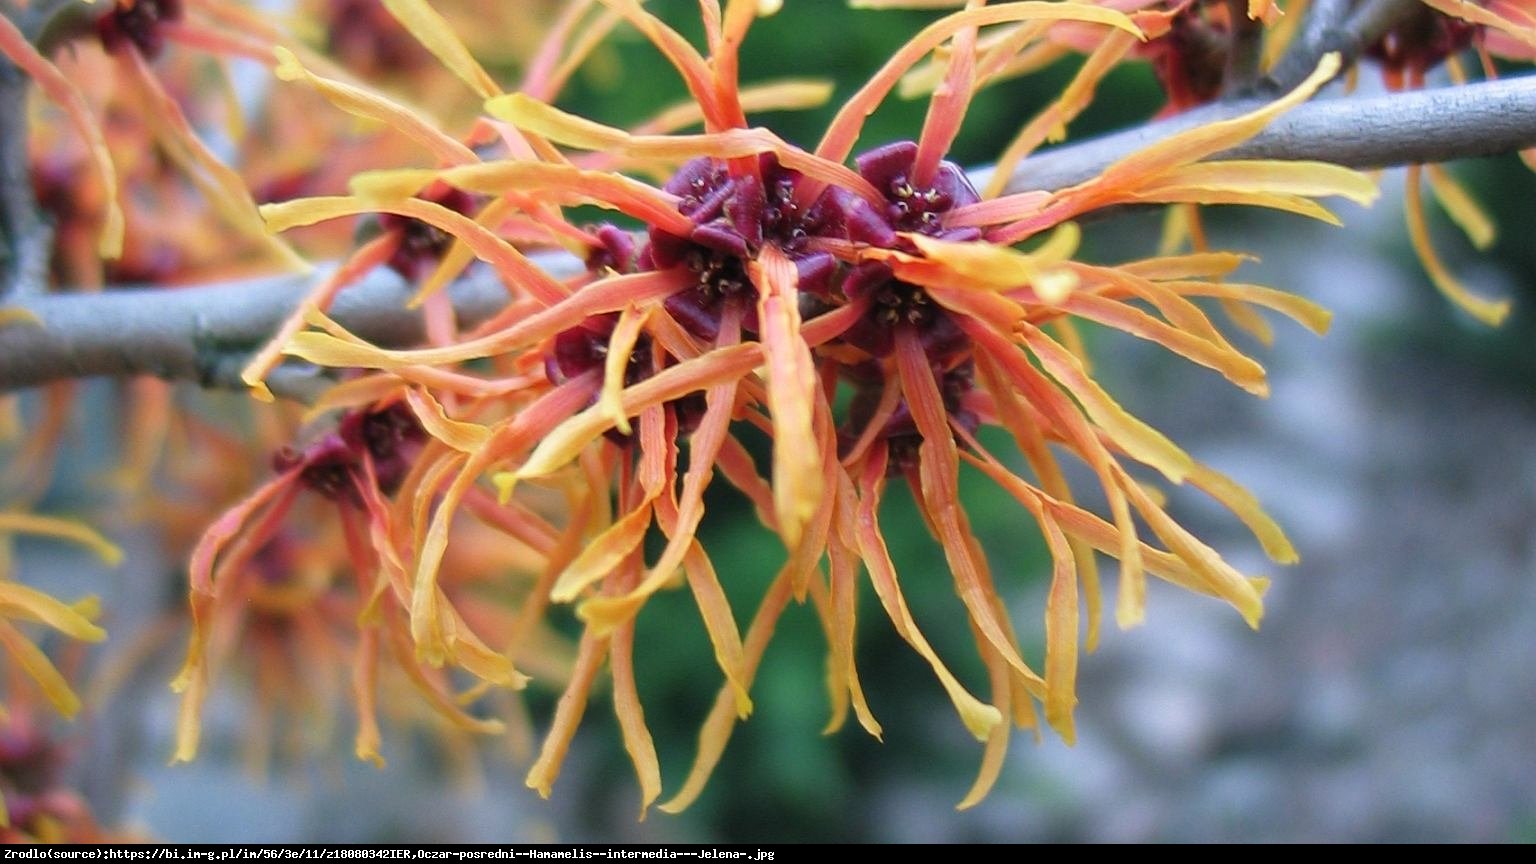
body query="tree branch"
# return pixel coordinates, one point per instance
(28, 237)
(1244, 51)
(1343, 26)
(1487, 118)
(203, 334)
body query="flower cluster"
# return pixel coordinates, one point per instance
(889, 323)
(874, 319)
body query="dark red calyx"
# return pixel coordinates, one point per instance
(1190, 61)
(332, 464)
(327, 466)
(900, 433)
(138, 24)
(364, 38)
(910, 207)
(894, 304)
(615, 250)
(734, 218)
(584, 348)
(1421, 39)
(421, 246)
(392, 436)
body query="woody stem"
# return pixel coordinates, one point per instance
(204, 333)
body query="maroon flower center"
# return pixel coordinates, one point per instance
(1421, 39)
(909, 208)
(917, 210)
(900, 434)
(138, 24)
(583, 349)
(332, 465)
(422, 245)
(896, 302)
(734, 218)
(893, 304)
(1190, 62)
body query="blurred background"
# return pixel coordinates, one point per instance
(1389, 696)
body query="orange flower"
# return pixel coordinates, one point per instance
(1420, 42)
(267, 589)
(37, 804)
(772, 281)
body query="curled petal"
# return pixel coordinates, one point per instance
(568, 184)
(369, 256)
(791, 388)
(63, 529)
(20, 601)
(374, 106)
(844, 577)
(597, 298)
(1305, 179)
(716, 732)
(979, 717)
(844, 130)
(1123, 179)
(1234, 365)
(621, 344)
(1202, 141)
(1002, 268)
(552, 123)
(1222, 580)
(1246, 507)
(461, 436)
(1140, 440)
(1461, 207)
(626, 705)
(562, 444)
(15, 46)
(384, 197)
(1490, 312)
(1050, 124)
(37, 666)
(603, 554)
(939, 498)
(433, 32)
(568, 713)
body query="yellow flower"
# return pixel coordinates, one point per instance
(23, 604)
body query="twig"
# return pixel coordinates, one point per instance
(1482, 119)
(1342, 26)
(205, 334)
(202, 334)
(1245, 48)
(28, 237)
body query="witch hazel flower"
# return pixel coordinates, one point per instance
(255, 568)
(771, 282)
(1433, 37)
